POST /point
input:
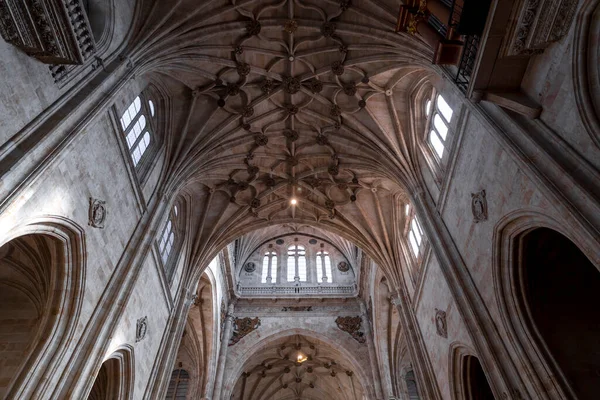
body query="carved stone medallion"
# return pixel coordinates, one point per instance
(250, 267)
(351, 325)
(141, 329)
(97, 213)
(440, 323)
(343, 266)
(242, 327)
(479, 206)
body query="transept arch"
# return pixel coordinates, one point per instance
(43, 272)
(309, 337)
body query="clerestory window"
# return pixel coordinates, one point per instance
(439, 114)
(324, 272)
(296, 263)
(269, 268)
(136, 128)
(167, 238)
(415, 236)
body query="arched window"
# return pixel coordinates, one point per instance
(411, 386)
(166, 242)
(178, 385)
(296, 263)
(137, 129)
(439, 116)
(415, 236)
(269, 268)
(323, 267)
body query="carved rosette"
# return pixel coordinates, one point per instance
(352, 326)
(97, 213)
(242, 327)
(250, 267)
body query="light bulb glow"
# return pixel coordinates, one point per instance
(294, 202)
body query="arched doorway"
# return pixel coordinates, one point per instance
(560, 289)
(29, 276)
(474, 383)
(115, 378)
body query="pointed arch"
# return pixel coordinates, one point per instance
(53, 247)
(531, 350)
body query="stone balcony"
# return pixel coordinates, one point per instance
(53, 31)
(297, 290)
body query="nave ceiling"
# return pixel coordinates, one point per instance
(293, 99)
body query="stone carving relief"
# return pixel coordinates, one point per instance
(343, 266)
(440, 323)
(352, 326)
(297, 308)
(479, 206)
(242, 327)
(47, 30)
(97, 213)
(141, 329)
(250, 267)
(539, 23)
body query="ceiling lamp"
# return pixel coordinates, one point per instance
(301, 357)
(293, 201)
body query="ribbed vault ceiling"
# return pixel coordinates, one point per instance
(299, 368)
(269, 100)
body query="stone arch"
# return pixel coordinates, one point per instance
(259, 341)
(467, 378)
(586, 73)
(532, 354)
(115, 379)
(43, 264)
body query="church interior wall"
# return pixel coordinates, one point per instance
(140, 305)
(94, 165)
(437, 296)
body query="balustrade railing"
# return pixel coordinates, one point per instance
(296, 290)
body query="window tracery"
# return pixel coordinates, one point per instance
(167, 241)
(415, 236)
(439, 114)
(296, 263)
(324, 272)
(269, 268)
(136, 128)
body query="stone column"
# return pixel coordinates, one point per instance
(418, 352)
(366, 325)
(223, 352)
